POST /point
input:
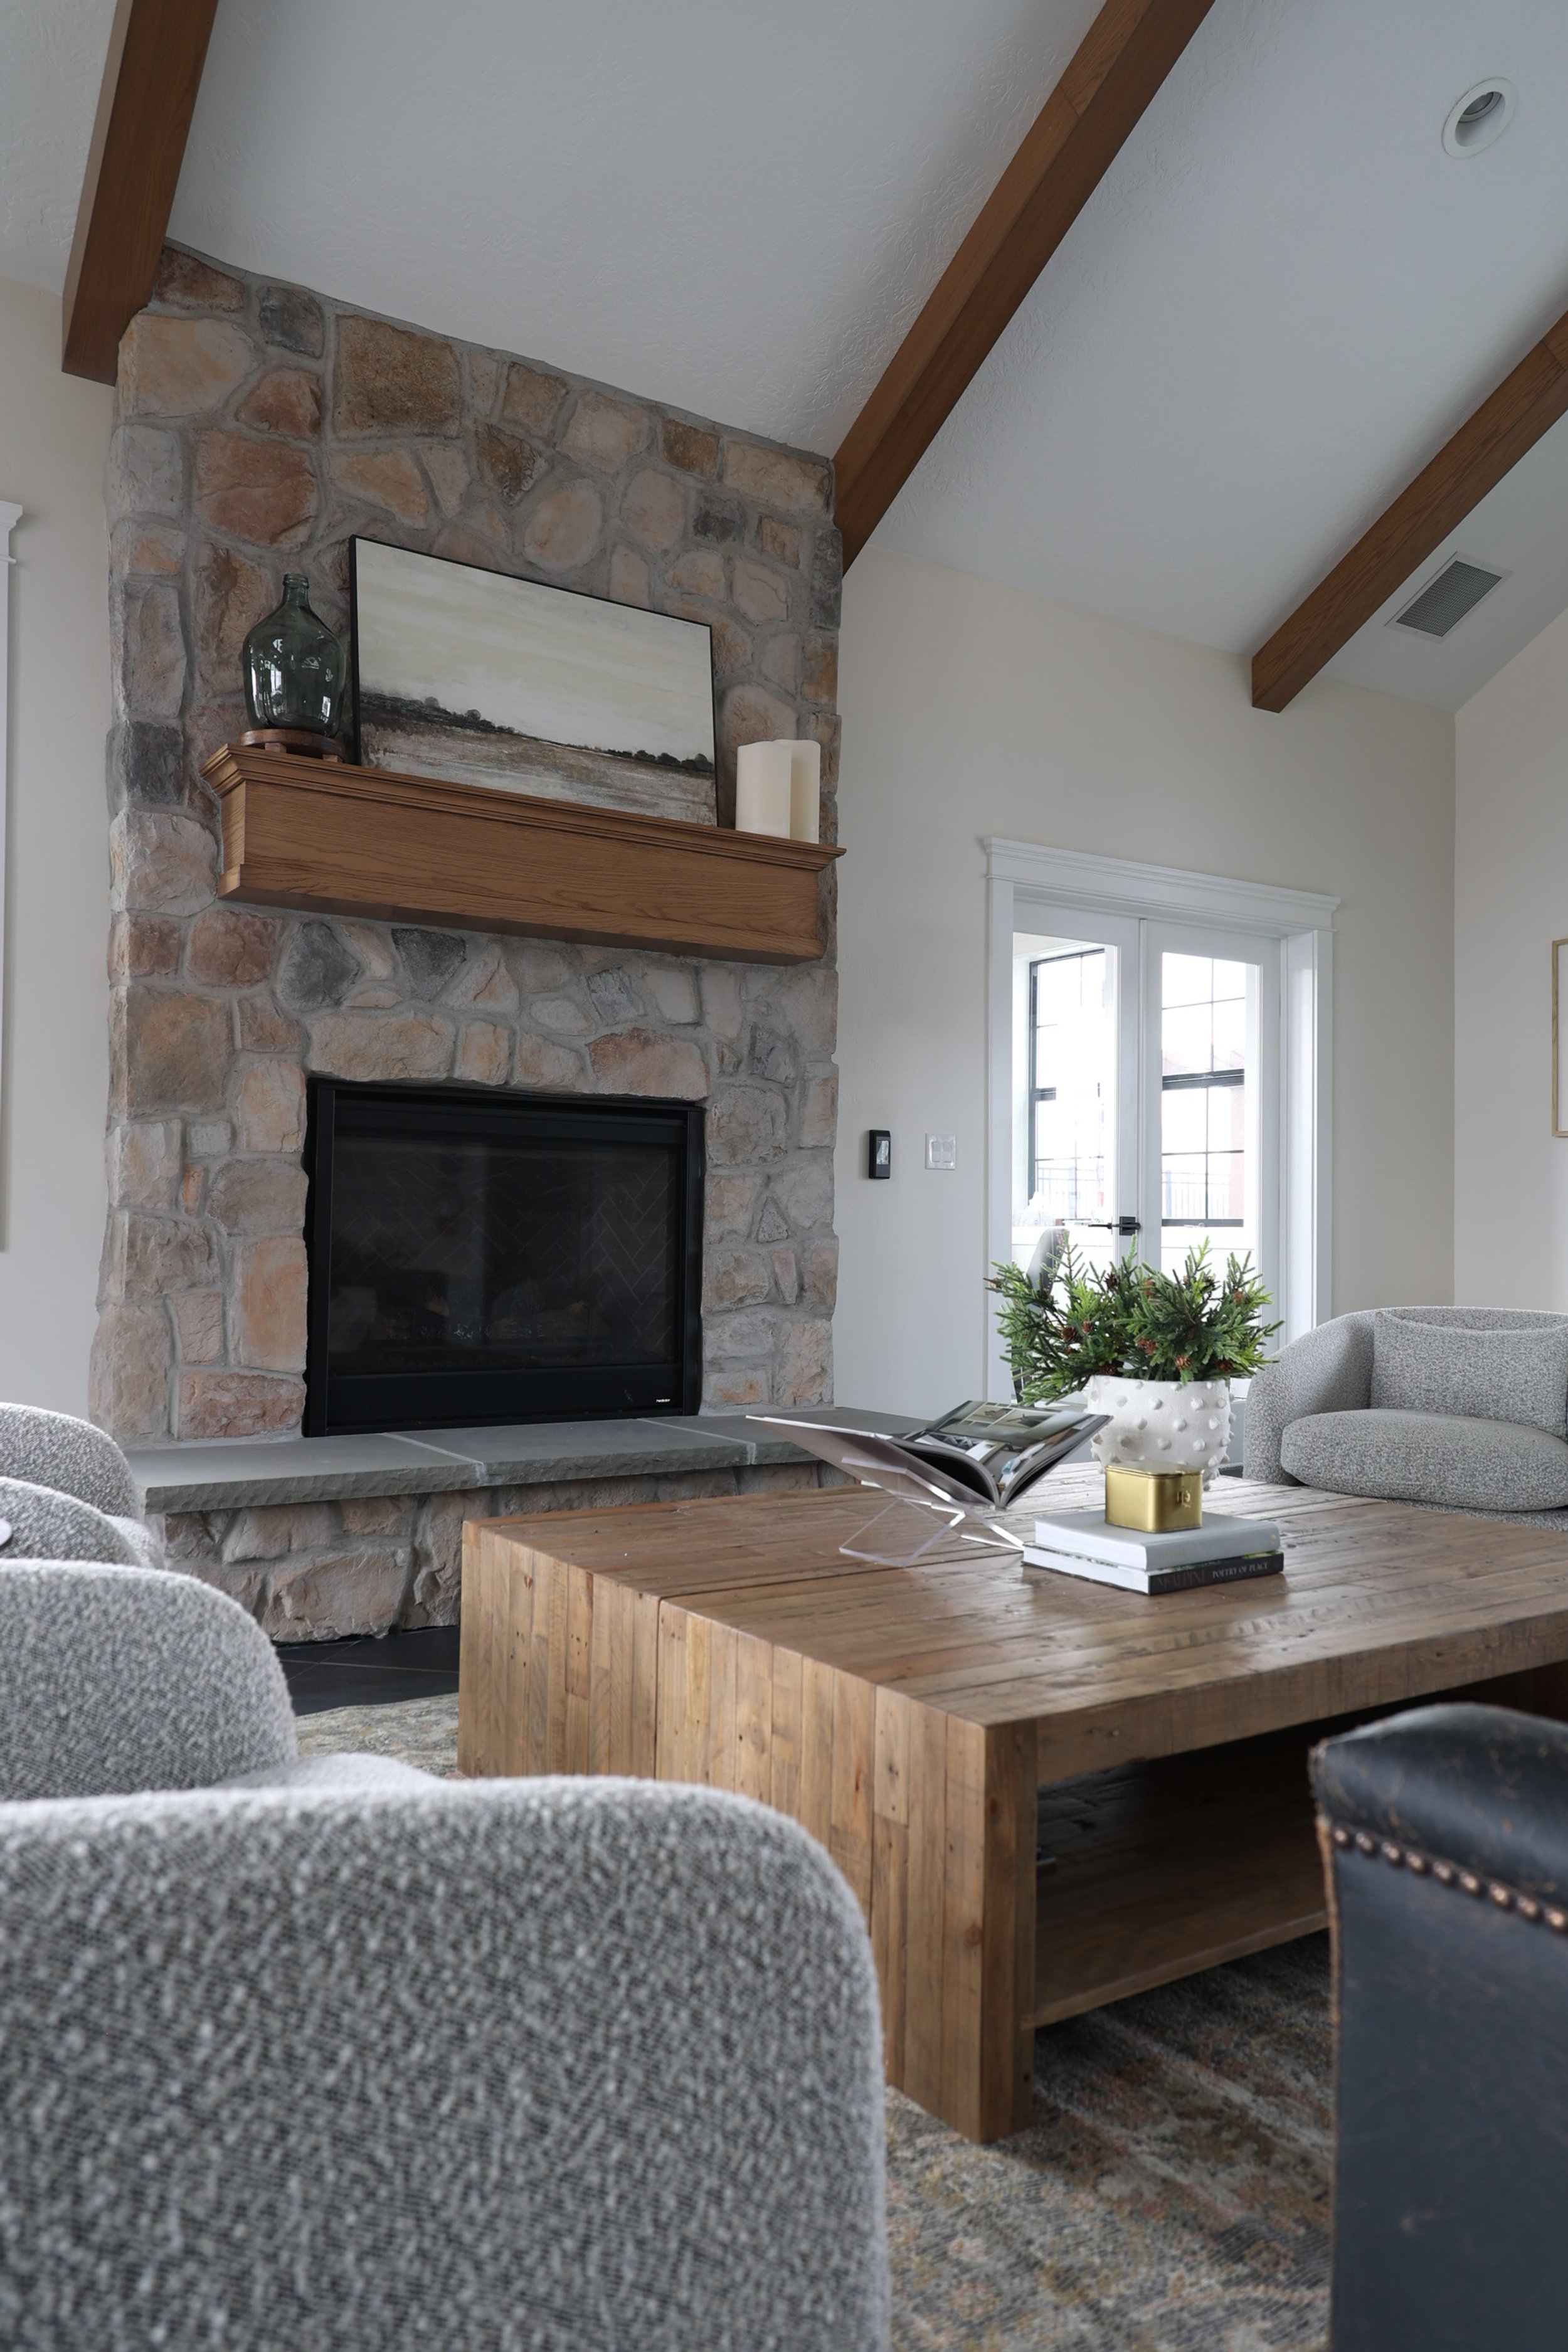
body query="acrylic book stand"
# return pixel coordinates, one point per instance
(880, 1462)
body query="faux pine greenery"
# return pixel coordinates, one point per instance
(1130, 1319)
(1074, 1324)
(1196, 1326)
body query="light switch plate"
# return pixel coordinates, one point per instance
(942, 1151)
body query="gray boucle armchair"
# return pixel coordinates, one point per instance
(118, 1679)
(1460, 1408)
(343, 2058)
(36, 1523)
(71, 1459)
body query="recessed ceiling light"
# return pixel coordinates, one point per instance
(1482, 115)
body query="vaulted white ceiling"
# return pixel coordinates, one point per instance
(1283, 299)
(733, 205)
(51, 66)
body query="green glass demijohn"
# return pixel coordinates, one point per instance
(294, 666)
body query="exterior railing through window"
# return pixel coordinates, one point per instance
(1069, 1187)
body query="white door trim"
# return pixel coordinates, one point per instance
(1125, 885)
(999, 927)
(1025, 880)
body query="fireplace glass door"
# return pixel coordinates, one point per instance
(476, 1260)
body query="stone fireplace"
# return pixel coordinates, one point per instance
(258, 429)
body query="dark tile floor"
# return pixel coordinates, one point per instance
(367, 1671)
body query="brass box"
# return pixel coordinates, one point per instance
(1155, 1501)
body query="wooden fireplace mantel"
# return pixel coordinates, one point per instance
(362, 841)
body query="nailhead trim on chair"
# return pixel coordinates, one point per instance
(1446, 1873)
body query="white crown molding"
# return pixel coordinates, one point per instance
(1125, 885)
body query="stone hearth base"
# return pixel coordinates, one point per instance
(323, 1537)
(315, 1572)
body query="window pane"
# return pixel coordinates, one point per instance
(1187, 980)
(1184, 1118)
(1070, 1171)
(1186, 1038)
(1185, 1187)
(1059, 989)
(1065, 1179)
(1207, 1010)
(1227, 1117)
(1228, 1044)
(1226, 1175)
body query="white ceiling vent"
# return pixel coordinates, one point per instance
(1443, 603)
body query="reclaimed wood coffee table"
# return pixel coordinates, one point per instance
(937, 1726)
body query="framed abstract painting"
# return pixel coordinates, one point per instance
(480, 678)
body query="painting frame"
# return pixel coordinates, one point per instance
(420, 733)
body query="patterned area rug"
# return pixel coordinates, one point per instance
(1171, 2195)
(422, 1731)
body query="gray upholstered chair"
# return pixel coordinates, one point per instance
(72, 1457)
(39, 1524)
(53, 1449)
(117, 1679)
(1461, 1408)
(340, 2056)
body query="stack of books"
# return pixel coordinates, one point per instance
(1221, 1551)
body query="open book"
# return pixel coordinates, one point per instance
(975, 1460)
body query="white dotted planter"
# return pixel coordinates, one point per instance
(1160, 1424)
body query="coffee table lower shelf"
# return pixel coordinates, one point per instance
(1161, 1869)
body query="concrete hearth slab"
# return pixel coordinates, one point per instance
(233, 1474)
(244, 1474)
(537, 1452)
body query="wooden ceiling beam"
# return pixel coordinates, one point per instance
(1486, 447)
(1120, 63)
(156, 51)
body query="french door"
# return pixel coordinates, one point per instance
(1146, 1092)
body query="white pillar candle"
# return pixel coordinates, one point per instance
(805, 790)
(762, 788)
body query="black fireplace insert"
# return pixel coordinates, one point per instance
(478, 1258)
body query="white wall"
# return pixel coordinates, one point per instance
(970, 709)
(54, 437)
(1510, 858)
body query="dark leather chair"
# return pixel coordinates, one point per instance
(1446, 1832)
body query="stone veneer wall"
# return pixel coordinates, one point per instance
(258, 427)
